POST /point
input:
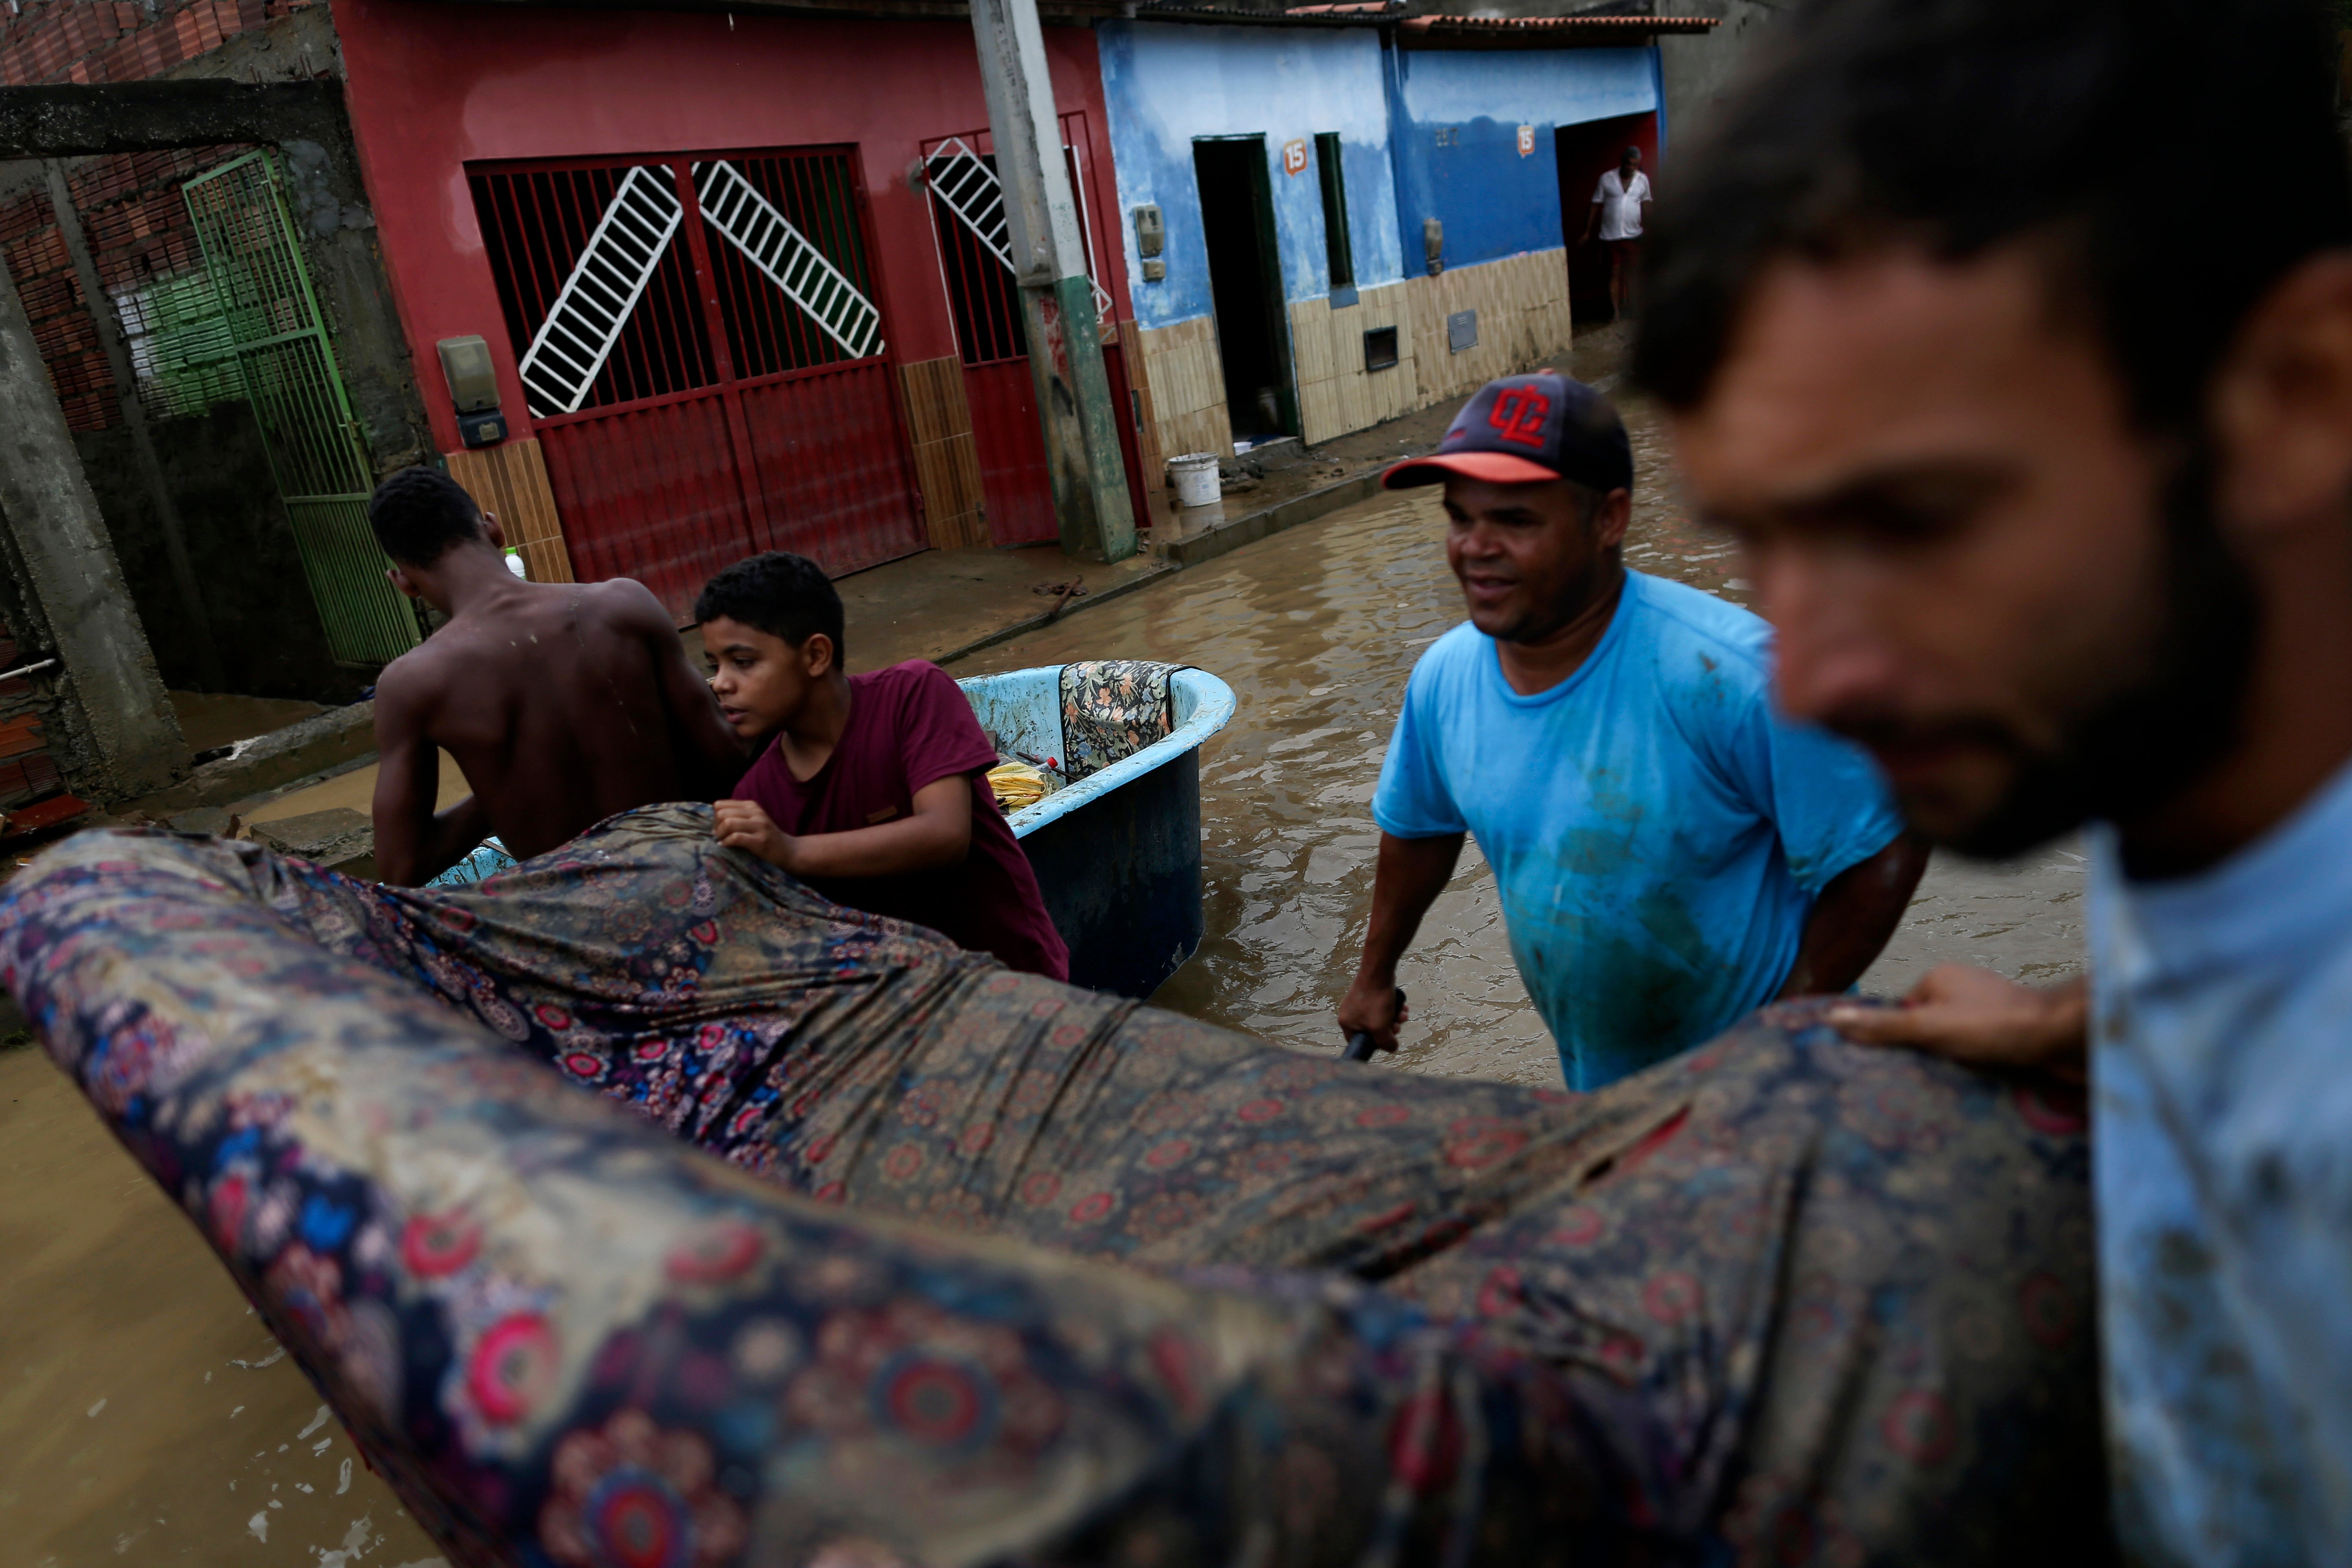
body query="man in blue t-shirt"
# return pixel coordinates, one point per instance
(1670, 854)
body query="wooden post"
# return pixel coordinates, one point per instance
(1057, 304)
(134, 417)
(122, 737)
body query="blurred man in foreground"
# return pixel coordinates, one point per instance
(2049, 496)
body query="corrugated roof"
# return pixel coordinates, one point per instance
(1435, 31)
(1508, 24)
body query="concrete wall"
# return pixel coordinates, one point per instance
(1457, 114)
(1166, 84)
(264, 621)
(1698, 68)
(137, 223)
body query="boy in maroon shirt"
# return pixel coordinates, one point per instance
(873, 790)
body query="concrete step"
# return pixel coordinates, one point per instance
(338, 838)
(313, 745)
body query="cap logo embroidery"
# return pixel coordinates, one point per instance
(1519, 413)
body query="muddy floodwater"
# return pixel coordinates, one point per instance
(1316, 630)
(145, 1416)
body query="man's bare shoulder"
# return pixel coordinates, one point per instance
(623, 602)
(463, 654)
(412, 686)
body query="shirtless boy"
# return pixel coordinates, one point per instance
(562, 703)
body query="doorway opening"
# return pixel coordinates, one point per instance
(1245, 286)
(1584, 153)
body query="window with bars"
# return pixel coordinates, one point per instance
(975, 241)
(982, 294)
(603, 293)
(767, 331)
(536, 224)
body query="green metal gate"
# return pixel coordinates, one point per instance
(289, 367)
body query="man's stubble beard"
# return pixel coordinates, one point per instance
(2174, 716)
(1545, 621)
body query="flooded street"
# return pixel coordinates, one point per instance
(146, 1417)
(1317, 630)
(145, 1414)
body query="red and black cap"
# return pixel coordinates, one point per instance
(1526, 430)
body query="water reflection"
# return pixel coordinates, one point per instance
(146, 1417)
(1316, 630)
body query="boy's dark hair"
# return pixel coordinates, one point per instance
(782, 594)
(2127, 134)
(420, 512)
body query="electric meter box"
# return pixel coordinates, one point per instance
(473, 380)
(1150, 237)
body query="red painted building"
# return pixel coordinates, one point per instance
(720, 291)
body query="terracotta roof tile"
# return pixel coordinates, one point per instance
(1559, 23)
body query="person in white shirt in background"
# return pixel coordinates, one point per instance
(1617, 209)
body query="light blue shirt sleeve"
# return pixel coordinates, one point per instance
(1412, 800)
(1823, 794)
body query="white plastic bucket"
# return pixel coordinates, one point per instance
(1196, 478)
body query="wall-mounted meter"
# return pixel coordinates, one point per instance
(1149, 237)
(473, 389)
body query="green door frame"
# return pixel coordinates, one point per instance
(287, 362)
(1269, 269)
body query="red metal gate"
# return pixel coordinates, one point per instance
(703, 358)
(990, 337)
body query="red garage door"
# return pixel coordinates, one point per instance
(704, 361)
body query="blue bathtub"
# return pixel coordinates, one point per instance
(1118, 854)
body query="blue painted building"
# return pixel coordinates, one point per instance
(1458, 116)
(1334, 218)
(1167, 85)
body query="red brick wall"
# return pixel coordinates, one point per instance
(28, 772)
(68, 341)
(95, 40)
(137, 227)
(131, 208)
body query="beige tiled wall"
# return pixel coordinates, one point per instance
(510, 480)
(1149, 461)
(947, 457)
(1188, 388)
(1522, 305)
(1336, 393)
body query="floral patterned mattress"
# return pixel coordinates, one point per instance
(636, 1206)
